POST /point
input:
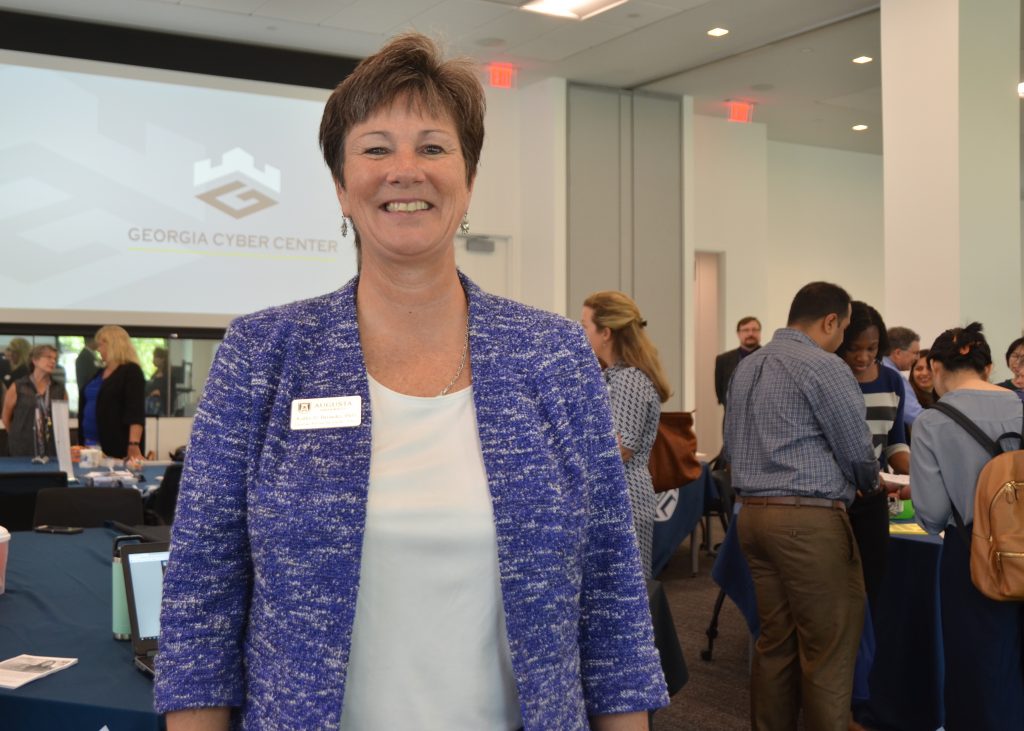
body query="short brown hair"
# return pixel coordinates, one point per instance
(37, 352)
(410, 66)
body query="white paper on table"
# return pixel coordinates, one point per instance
(22, 669)
(62, 436)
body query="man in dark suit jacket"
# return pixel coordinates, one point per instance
(748, 330)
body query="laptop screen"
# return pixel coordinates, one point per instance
(144, 571)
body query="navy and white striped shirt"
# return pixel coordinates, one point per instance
(795, 423)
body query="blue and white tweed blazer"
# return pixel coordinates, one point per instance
(260, 590)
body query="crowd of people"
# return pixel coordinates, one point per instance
(485, 453)
(112, 395)
(815, 459)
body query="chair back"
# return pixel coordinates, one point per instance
(162, 502)
(18, 495)
(88, 507)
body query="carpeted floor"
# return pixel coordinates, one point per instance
(717, 697)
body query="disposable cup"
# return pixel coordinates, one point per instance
(5, 542)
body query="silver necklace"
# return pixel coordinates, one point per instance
(462, 361)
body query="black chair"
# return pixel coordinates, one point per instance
(88, 507)
(724, 508)
(18, 495)
(722, 505)
(161, 503)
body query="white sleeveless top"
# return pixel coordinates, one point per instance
(429, 644)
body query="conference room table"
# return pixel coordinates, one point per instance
(677, 516)
(152, 471)
(905, 682)
(58, 603)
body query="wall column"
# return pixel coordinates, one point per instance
(952, 166)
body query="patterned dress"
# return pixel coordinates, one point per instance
(635, 410)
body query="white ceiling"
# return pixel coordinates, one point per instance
(792, 58)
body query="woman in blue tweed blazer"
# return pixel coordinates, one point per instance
(308, 587)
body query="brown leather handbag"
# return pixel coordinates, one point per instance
(673, 460)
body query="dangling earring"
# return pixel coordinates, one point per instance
(464, 226)
(344, 226)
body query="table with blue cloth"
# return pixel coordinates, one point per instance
(902, 691)
(679, 512)
(58, 603)
(25, 464)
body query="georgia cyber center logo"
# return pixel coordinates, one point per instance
(240, 195)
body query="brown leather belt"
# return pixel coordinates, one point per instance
(794, 500)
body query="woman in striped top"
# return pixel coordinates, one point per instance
(884, 393)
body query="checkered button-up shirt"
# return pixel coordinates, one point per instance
(795, 423)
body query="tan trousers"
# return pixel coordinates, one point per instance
(810, 600)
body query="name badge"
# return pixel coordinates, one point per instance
(327, 413)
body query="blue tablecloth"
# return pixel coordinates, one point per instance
(25, 464)
(907, 676)
(58, 603)
(678, 513)
(902, 691)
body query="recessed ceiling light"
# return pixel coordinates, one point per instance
(859, 127)
(863, 59)
(576, 9)
(718, 32)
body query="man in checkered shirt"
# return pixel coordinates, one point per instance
(800, 450)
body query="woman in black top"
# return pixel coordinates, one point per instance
(120, 407)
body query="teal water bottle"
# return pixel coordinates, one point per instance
(119, 601)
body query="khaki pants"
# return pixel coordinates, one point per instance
(810, 600)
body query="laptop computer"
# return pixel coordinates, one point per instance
(144, 565)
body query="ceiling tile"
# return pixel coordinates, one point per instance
(452, 18)
(571, 38)
(637, 14)
(679, 5)
(508, 31)
(301, 11)
(378, 16)
(230, 6)
(868, 100)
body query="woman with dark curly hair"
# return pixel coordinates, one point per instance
(884, 392)
(921, 380)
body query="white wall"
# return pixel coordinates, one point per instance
(520, 188)
(781, 215)
(825, 222)
(728, 215)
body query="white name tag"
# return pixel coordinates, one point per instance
(327, 413)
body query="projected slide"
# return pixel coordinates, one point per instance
(170, 202)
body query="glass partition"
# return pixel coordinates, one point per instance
(175, 367)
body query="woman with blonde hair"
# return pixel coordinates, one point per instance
(637, 387)
(17, 353)
(113, 414)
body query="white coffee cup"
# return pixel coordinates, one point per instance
(5, 543)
